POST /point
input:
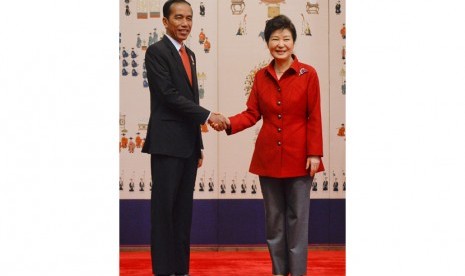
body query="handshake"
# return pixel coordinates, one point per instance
(218, 122)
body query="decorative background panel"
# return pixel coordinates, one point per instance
(337, 140)
(139, 28)
(227, 38)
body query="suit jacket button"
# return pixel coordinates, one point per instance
(279, 129)
(279, 116)
(279, 143)
(279, 103)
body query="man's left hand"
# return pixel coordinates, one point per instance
(200, 160)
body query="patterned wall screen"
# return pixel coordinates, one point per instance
(227, 37)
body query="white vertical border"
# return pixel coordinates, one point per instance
(405, 148)
(59, 163)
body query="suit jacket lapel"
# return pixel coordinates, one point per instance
(177, 58)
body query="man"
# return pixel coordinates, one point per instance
(174, 139)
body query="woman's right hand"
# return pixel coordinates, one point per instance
(313, 162)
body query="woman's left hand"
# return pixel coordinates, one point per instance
(313, 162)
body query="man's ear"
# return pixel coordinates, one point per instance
(165, 21)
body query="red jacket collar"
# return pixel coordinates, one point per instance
(294, 66)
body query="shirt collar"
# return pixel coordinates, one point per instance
(176, 44)
(294, 66)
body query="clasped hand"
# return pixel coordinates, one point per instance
(218, 122)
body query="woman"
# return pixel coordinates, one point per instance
(289, 147)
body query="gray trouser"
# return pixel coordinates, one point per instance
(287, 204)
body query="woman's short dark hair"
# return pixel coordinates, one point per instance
(279, 22)
(168, 4)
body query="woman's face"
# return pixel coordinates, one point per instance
(281, 44)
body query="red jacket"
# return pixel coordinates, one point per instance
(291, 112)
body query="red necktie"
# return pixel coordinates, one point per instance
(185, 62)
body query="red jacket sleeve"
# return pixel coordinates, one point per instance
(314, 128)
(248, 117)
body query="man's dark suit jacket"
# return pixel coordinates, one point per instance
(175, 117)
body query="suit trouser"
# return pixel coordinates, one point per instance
(171, 212)
(287, 203)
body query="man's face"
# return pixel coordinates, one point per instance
(179, 23)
